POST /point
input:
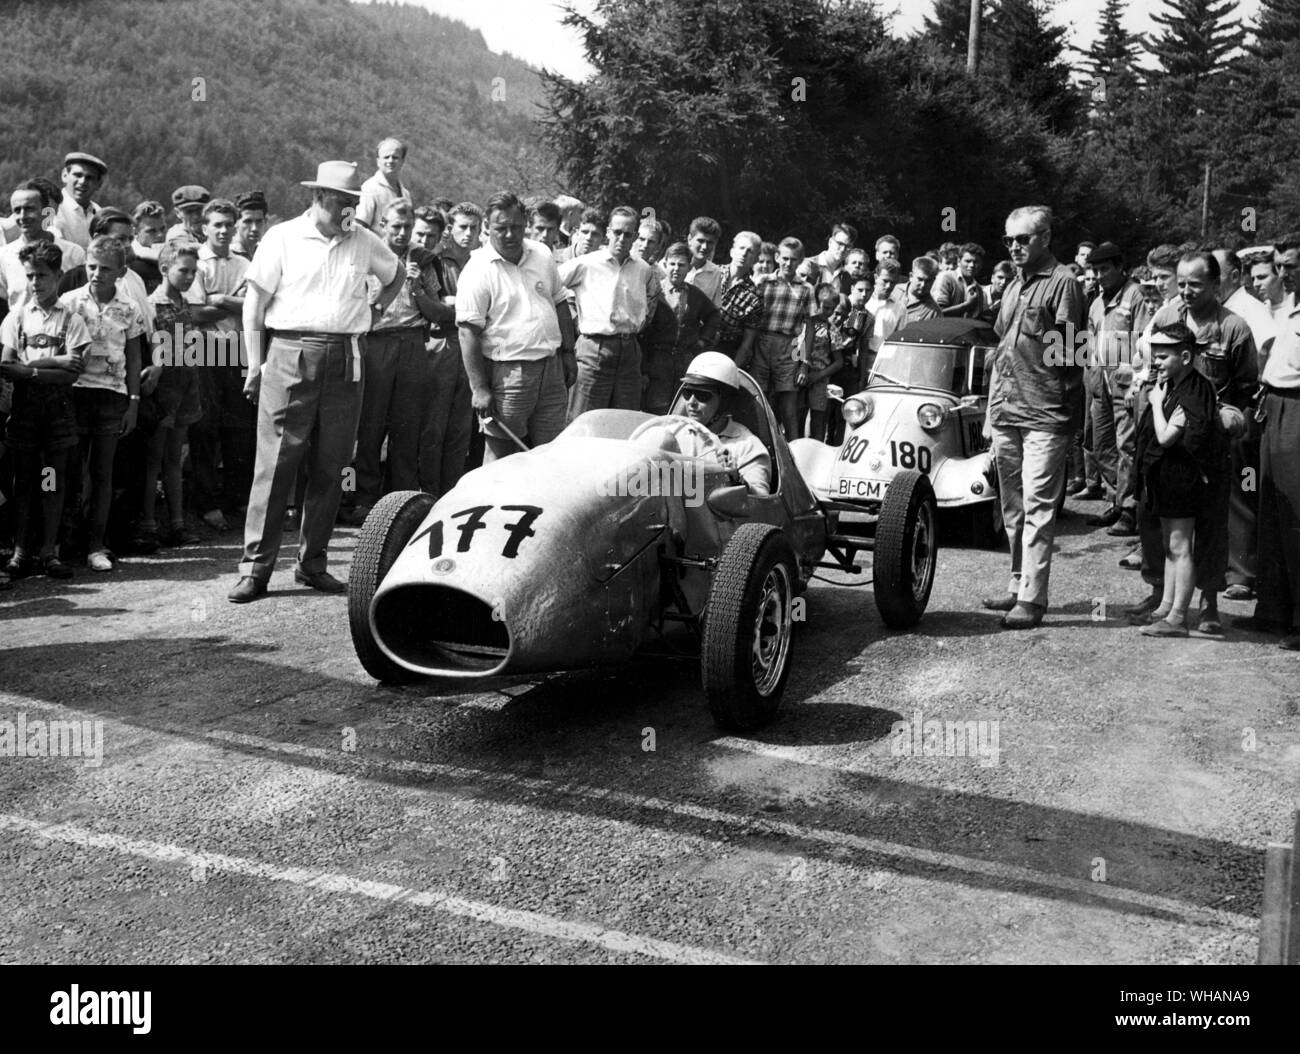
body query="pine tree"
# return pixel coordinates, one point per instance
(1277, 31)
(1026, 49)
(1197, 40)
(1113, 55)
(949, 29)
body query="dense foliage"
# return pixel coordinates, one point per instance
(288, 83)
(785, 116)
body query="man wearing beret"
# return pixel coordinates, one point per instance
(307, 286)
(82, 175)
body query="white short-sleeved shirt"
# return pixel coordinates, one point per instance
(218, 276)
(315, 283)
(513, 303)
(13, 278)
(35, 323)
(111, 325)
(72, 222)
(376, 196)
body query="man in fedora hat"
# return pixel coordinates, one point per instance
(307, 286)
(82, 175)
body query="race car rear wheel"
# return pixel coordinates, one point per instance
(907, 550)
(384, 535)
(749, 628)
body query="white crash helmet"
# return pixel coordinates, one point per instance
(713, 367)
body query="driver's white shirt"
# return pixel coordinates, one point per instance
(747, 451)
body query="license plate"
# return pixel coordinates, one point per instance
(862, 488)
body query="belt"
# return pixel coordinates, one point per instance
(1285, 393)
(397, 331)
(351, 341)
(609, 336)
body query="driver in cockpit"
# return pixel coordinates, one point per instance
(710, 384)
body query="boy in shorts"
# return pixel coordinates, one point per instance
(175, 398)
(1181, 455)
(43, 344)
(824, 359)
(107, 394)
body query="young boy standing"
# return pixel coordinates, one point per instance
(824, 358)
(176, 397)
(107, 394)
(1181, 457)
(695, 326)
(887, 316)
(43, 352)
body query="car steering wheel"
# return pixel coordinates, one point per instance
(675, 424)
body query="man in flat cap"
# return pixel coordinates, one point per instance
(187, 204)
(82, 176)
(308, 286)
(1115, 321)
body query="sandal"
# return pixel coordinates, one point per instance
(1163, 628)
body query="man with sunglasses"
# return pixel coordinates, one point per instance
(1035, 407)
(711, 383)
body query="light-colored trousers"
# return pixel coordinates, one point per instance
(1031, 473)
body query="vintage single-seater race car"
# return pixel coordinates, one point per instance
(583, 550)
(923, 409)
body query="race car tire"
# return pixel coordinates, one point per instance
(907, 550)
(749, 628)
(383, 536)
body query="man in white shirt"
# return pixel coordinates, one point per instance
(614, 296)
(82, 176)
(385, 186)
(517, 347)
(26, 204)
(308, 285)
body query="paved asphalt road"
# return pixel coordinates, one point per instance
(261, 800)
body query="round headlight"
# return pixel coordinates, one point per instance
(858, 409)
(930, 415)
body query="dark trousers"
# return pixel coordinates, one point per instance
(398, 386)
(222, 441)
(1278, 581)
(1243, 506)
(447, 422)
(307, 410)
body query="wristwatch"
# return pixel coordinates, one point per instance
(135, 398)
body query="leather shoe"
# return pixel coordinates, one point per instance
(249, 588)
(354, 517)
(1105, 518)
(1124, 527)
(1148, 605)
(319, 580)
(1132, 562)
(1089, 494)
(1024, 616)
(1075, 486)
(1005, 603)
(1239, 591)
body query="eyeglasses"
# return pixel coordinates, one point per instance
(1019, 239)
(699, 395)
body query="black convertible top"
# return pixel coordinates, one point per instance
(946, 331)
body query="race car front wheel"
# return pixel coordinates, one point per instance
(749, 627)
(907, 550)
(384, 535)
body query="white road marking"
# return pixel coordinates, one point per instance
(1112, 894)
(509, 918)
(1126, 898)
